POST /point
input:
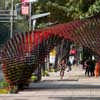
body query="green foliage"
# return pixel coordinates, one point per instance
(33, 78)
(41, 25)
(60, 11)
(52, 70)
(13, 90)
(67, 10)
(3, 91)
(3, 84)
(93, 9)
(45, 73)
(85, 4)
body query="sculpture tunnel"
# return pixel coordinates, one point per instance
(25, 51)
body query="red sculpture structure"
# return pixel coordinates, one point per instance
(25, 51)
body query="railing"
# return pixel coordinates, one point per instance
(5, 15)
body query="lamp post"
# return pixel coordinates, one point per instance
(30, 13)
(11, 32)
(30, 23)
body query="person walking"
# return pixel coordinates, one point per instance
(62, 66)
(69, 66)
(86, 64)
(97, 69)
(90, 67)
(70, 62)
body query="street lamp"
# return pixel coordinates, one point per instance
(12, 13)
(30, 20)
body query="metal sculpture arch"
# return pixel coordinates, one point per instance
(24, 52)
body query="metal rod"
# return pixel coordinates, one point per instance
(30, 6)
(34, 23)
(5, 10)
(6, 18)
(5, 21)
(5, 15)
(11, 33)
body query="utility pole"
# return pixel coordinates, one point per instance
(11, 20)
(30, 23)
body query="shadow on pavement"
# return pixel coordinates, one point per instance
(75, 98)
(56, 85)
(60, 80)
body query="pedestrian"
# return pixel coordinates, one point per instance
(90, 67)
(62, 66)
(86, 65)
(97, 69)
(69, 65)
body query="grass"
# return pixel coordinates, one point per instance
(3, 91)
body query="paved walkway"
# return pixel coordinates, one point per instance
(74, 86)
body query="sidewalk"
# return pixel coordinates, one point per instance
(77, 74)
(74, 86)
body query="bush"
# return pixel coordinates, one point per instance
(56, 70)
(4, 87)
(3, 91)
(3, 84)
(45, 73)
(13, 90)
(33, 78)
(52, 70)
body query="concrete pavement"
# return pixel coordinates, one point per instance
(74, 86)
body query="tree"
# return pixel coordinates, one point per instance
(67, 10)
(61, 12)
(92, 10)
